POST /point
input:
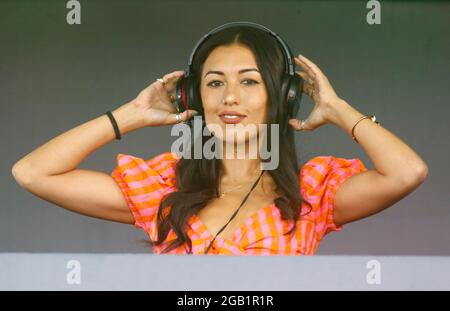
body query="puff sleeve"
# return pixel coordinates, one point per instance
(144, 183)
(320, 178)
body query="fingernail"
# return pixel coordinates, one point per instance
(194, 113)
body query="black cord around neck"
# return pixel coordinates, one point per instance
(235, 213)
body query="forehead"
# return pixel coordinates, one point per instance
(230, 58)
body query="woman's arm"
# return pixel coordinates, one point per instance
(398, 169)
(389, 154)
(65, 152)
(50, 172)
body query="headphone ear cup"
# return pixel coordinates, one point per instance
(188, 97)
(294, 96)
(284, 94)
(180, 95)
(192, 95)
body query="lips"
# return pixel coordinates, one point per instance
(231, 117)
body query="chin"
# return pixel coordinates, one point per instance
(239, 133)
(238, 136)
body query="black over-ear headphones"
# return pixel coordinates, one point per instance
(292, 84)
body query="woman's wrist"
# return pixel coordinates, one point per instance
(343, 115)
(128, 118)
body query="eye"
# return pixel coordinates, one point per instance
(212, 83)
(253, 81)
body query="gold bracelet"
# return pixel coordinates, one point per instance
(372, 118)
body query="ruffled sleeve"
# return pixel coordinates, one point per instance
(144, 183)
(320, 178)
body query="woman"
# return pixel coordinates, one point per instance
(228, 205)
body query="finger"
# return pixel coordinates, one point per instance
(172, 76)
(305, 67)
(159, 87)
(307, 87)
(168, 79)
(297, 124)
(310, 64)
(185, 115)
(310, 91)
(171, 80)
(319, 77)
(306, 77)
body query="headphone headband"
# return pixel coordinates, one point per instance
(291, 83)
(290, 68)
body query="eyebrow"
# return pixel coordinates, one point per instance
(240, 71)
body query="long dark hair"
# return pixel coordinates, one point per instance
(197, 180)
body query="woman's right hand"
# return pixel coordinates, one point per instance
(155, 104)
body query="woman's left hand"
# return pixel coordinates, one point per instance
(319, 89)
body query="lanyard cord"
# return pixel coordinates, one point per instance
(235, 213)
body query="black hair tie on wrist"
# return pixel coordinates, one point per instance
(114, 124)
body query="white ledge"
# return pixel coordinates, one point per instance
(62, 271)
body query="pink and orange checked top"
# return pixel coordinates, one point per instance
(144, 182)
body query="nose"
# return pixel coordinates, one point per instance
(231, 96)
(230, 100)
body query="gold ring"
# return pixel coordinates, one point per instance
(161, 80)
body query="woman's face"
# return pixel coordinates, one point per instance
(230, 81)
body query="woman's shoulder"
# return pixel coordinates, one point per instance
(320, 177)
(327, 171)
(143, 183)
(160, 167)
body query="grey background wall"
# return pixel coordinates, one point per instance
(55, 76)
